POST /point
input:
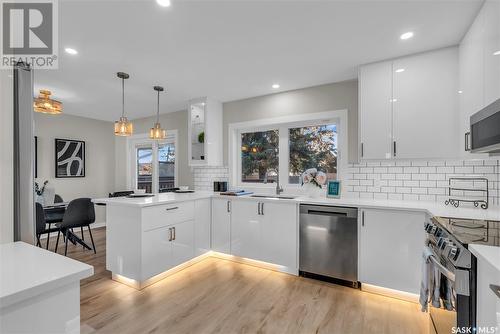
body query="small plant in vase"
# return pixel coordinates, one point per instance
(313, 180)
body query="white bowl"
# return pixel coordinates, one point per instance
(183, 188)
(139, 191)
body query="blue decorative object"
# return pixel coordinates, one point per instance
(333, 189)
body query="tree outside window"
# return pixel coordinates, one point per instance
(260, 156)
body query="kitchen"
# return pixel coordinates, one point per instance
(369, 185)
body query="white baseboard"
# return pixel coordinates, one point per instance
(92, 226)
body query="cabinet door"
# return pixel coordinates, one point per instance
(202, 226)
(221, 225)
(182, 242)
(488, 304)
(279, 234)
(246, 230)
(156, 252)
(375, 94)
(425, 102)
(390, 249)
(491, 11)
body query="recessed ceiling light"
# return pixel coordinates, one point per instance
(275, 86)
(406, 35)
(393, 100)
(163, 3)
(460, 91)
(496, 53)
(399, 70)
(71, 51)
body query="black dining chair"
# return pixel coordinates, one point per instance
(79, 213)
(41, 226)
(58, 199)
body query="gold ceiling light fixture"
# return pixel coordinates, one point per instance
(44, 104)
(123, 127)
(156, 132)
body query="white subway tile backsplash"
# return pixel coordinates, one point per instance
(205, 176)
(419, 180)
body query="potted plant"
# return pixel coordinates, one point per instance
(312, 181)
(201, 137)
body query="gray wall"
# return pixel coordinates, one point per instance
(335, 96)
(99, 156)
(171, 121)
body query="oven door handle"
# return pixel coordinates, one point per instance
(445, 271)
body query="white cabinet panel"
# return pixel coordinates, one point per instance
(491, 11)
(390, 248)
(221, 225)
(202, 224)
(246, 230)
(280, 234)
(425, 103)
(488, 304)
(182, 242)
(156, 252)
(375, 94)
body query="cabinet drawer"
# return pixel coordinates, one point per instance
(164, 215)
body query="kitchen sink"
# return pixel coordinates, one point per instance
(274, 196)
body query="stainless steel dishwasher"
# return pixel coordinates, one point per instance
(329, 242)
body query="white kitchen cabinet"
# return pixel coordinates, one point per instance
(375, 99)
(202, 225)
(390, 248)
(409, 104)
(246, 225)
(425, 103)
(265, 231)
(491, 14)
(488, 303)
(204, 132)
(182, 244)
(221, 225)
(280, 236)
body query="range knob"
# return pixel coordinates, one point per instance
(442, 242)
(454, 252)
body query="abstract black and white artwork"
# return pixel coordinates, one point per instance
(70, 158)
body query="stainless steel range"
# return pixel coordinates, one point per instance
(448, 239)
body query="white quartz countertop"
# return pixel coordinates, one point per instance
(157, 199)
(433, 209)
(27, 271)
(490, 254)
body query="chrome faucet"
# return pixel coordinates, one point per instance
(279, 189)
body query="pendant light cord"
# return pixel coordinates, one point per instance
(158, 109)
(123, 97)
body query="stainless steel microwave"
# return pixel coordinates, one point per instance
(484, 136)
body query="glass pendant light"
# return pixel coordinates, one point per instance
(156, 132)
(44, 104)
(123, 127)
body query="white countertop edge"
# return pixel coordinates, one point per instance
(431, 208)
(490, 254)
(24, 293)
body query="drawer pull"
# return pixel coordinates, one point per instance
(174, 208)
(173, 228)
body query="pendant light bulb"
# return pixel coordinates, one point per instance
(156, 132)
(123, 127)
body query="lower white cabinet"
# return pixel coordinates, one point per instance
(265, 231)
(390, 248)
(202, 223)
(488, 303)
(221, 225)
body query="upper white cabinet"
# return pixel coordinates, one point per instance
(205, 132)
(408, 107)
(375, 87)
(479, 66)
(390, 248)
(425, 104)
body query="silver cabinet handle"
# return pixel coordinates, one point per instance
(169, 234)
(174, 208)
(262, 209)
(258, 208)
(228, 206)
(173, 228)
(394, 147)
(362, 150)
(363, 218)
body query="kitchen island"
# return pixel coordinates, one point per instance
(150, 238)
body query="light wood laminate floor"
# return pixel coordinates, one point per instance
(220, 296)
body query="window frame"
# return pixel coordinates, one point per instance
(283, 124)
(142, 140)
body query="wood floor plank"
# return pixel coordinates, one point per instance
(220, 296)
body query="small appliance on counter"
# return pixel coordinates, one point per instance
(220, 186)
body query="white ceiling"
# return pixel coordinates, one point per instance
(231, 50)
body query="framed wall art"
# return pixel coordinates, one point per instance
(69, 158)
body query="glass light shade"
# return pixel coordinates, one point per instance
(123, 127)
(44, 104)
(157, 132)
